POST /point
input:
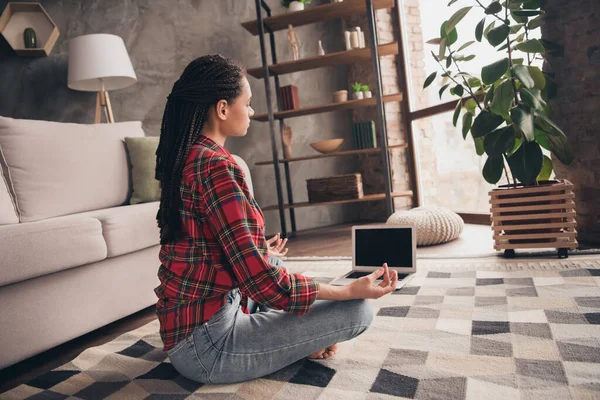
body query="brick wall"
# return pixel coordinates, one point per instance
(371, 165)
(577, 105)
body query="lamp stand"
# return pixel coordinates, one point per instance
(103, 101)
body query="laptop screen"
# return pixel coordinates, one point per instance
(393, 246)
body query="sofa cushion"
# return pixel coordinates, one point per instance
(8, 213)
(38, 248)
(142, 155)
(62, 168)
(128, 228)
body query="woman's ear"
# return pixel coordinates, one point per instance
(221, 109)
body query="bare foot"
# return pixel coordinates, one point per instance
(325, 353)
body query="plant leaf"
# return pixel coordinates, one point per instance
(466, 124)
(546, 171)
(523, 120)
(469, 57)
(474, 82)
(449, 61)
(499, 141)
(531, 46)
(526, 163)
(479, 30)
(532, 98)
(498, 35)
(559, 146)
(522, 74)
(489, 28)
(458, 90)
(456, 112)
(470, 105)
(452, 2)
(493, 8)
(492, 169)
(479, 146)
(456, 18)
(489, 96)
(464, 46)
(443, 89)
(429, 79)
(516, 28)
(491, 73)
(538, 77)
(442, 51)
(541, 139)
(547, 125)
(450, 37)
(532, 4)
(503, 99)
(518, 143)
(485, 123)
(526, 13)
(518, 18)
(434, 41)
(535, 23)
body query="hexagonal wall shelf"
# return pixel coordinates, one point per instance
(18, 16)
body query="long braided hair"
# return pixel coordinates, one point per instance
(202, 84)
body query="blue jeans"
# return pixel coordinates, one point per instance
(235, 347)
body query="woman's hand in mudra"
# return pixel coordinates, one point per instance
(365, 287)
(277, 246)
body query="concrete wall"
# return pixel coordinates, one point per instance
(577, 104)
(162, 38)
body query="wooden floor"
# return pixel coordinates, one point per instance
(329, 241)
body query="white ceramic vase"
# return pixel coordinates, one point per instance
(296, 6)
(367, 94)
(357, 95)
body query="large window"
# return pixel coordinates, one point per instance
(449, 168)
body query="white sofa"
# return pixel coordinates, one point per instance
(74, 256)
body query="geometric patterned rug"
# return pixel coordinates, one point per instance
(471, 329)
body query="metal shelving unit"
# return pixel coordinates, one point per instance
(264, 26)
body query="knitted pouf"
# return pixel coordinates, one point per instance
(434, 224)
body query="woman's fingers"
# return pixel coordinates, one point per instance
(385, 279)
(282, 244)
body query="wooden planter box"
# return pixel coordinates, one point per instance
(529, 217)
(340, 187)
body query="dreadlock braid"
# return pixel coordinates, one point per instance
(202, 84)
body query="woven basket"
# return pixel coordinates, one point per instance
(340, 187)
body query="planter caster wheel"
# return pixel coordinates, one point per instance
(509, 253)
(563, 253)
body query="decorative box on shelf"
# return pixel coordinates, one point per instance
(289, 99)
(17, 17)
(339, 187)
(364, 135)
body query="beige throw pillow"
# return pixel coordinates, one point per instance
(142, 154)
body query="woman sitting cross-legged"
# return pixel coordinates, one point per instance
(215, 259)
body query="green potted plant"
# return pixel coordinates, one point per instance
(366, 92)
(357, 93)
(506, 112)
(294, 5)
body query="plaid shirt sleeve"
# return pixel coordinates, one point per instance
(232, 219)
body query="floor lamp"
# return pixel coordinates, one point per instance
(99, 63)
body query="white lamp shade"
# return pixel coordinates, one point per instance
(96, 59)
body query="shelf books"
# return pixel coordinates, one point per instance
(288, 98)
(364, 135)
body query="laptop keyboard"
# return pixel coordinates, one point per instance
(360, 274)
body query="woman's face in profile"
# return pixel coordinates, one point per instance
(239, 112)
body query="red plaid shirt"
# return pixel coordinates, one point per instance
(223, 247)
